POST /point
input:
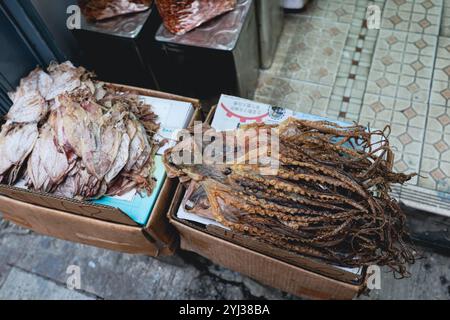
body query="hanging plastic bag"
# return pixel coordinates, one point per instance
(181, 16)
(104, 9)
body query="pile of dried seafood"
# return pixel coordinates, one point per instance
(329, 199)
(181, 16)
(105, 9)
(72, 136)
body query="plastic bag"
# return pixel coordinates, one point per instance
(104, 9)
(181, 16)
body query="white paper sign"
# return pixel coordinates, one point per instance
(172, 115)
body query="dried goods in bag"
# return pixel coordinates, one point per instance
(181, 16)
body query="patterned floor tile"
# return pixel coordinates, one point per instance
(353, 72)
(402, 66)
(335, 10)
(435, 168)
(295, 95)
(437, 146)
(418, 16)
(289, 30)
(313, 52)
(440, 92)
(445, 22)
(407, 121)
(406, 143)
(434, 175)
(397, 112)
(439, 119)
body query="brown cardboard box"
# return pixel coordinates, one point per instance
(97, 225)
(230, 253)
(271, 266)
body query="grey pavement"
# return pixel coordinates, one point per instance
(35, 267)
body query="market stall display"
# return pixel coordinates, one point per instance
(83, 139)
(183, 16)
(48, 188)
(329, 199)
(96, 10)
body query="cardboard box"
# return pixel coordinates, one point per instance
(95, 224)
(295, 274)
(228, 251)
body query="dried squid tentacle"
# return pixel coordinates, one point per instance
(284, 186)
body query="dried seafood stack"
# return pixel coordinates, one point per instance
(16, 143)
(329, 198)
(97, 10)
(31, 103)
(78, 138)
(181, 16)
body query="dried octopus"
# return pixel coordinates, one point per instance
(329, 198)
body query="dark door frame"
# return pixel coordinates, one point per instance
(34, 36)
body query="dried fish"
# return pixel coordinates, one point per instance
(95, 141)
(121, 159)
(48, 164)
(80, 184)
(64, 78)
(29, 104)
(16, 143)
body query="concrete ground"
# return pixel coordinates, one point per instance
(38, 267)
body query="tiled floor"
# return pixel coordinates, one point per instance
(329, 63)
(416, 16)
(445, 23)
